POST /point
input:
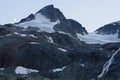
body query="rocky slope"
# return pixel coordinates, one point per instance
(112, 28)
(50, 47)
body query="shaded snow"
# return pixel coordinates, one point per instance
(41, 22)
(2, 68)
(93, 38)
(22, 70)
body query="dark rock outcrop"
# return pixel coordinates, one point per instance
(4, 31)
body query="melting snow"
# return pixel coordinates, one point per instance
(40, 21)
(64, 50)
(93, 38)
(59, 69)
(22, 70)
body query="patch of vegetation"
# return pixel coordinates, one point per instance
(20, 78)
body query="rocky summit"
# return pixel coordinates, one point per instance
(48, 46)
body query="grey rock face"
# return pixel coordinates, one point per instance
(71, 26)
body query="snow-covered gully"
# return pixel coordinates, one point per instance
(107, 65)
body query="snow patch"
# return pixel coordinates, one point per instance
(34, 43)
(59, 69)
(65, 33)
(8, 34)
(16, 33)
(64, 50)
(23, 70)
(33, 36)
(23, 35)
(83, 65)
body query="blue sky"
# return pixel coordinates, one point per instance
(92, 14)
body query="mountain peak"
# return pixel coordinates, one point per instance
(111, 28)
(51, 19)
(52, 13)
(49, 7)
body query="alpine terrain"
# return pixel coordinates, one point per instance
(48, 46)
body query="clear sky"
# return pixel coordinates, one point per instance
(90, 13)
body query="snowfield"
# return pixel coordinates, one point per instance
(94, 38)
(41, 22)
(46, 25)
